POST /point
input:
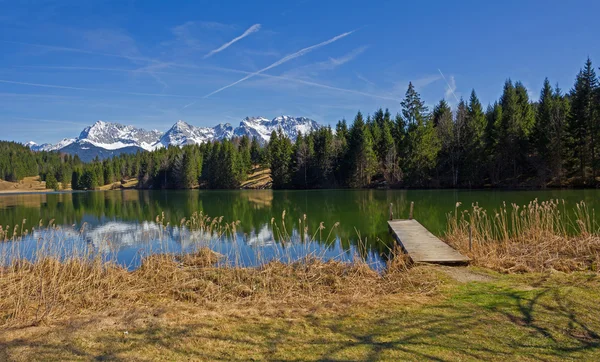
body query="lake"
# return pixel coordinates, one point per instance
(121, 225)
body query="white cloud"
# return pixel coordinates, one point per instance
(183, 33)
(253, 29)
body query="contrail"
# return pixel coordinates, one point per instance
(253, 29)
(449, 88)
(279, 77)
(83, 51)
(277, 63)
(93, 89)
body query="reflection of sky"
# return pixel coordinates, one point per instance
(127, 242)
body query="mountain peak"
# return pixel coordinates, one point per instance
(114, 136)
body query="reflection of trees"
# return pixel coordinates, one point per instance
(362, 210)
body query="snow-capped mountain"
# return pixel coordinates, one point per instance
(50, 147)
(104, 139)
(112, 136)
(261, 128)
(182, 134)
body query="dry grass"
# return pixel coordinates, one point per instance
(542, 236)
(48, 287)
(28, 184)
(124, 184)
(32, 293)
(260, 178)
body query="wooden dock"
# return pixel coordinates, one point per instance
(421, 245)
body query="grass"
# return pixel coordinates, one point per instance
(547, 317)
(531, 295)
(28, 184)
(259, 178)
(125, 184)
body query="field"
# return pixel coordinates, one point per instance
(28, 184)
(33, 184)
(530, 294)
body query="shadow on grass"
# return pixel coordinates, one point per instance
(481, 321)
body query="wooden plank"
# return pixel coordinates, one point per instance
(422, 246)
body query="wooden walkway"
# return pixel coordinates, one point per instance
(422, 246)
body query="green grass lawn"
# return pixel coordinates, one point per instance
(507, 317)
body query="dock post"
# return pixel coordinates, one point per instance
(410, 214)
(391, 212)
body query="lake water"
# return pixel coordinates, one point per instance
(121, 225)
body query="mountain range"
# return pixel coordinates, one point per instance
(104, 139)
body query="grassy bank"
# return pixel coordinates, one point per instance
(532, 294)
(532, 317)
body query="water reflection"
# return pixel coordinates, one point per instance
(126, 243)
(122, 223)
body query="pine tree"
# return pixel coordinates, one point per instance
(255, 151)
(341, 158)
(375, 125)
(583, 122)
(51, 182)
(444, 126)
(413, 108)
(245, 155)
(75, 179)
(190, 168)
(89, 179)
(362, 156)
(512, 131)
(460, 142)
(303, 157)
(475, 143)
(542, 131)
(422, 144)
(108, 173)
(390, 163)
(526, 113)
(280, 150)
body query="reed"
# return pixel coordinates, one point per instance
(48, 284)
(539, 236)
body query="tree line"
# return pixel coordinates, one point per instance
(18, 161)
(514, 142)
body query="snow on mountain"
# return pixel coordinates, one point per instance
(261, 128)
(106, 139)
(50, 147)
(112, 136)
(182, 134)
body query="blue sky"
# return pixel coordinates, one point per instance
(66, 64)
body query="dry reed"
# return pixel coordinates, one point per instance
(51, 285)
(539, 236)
